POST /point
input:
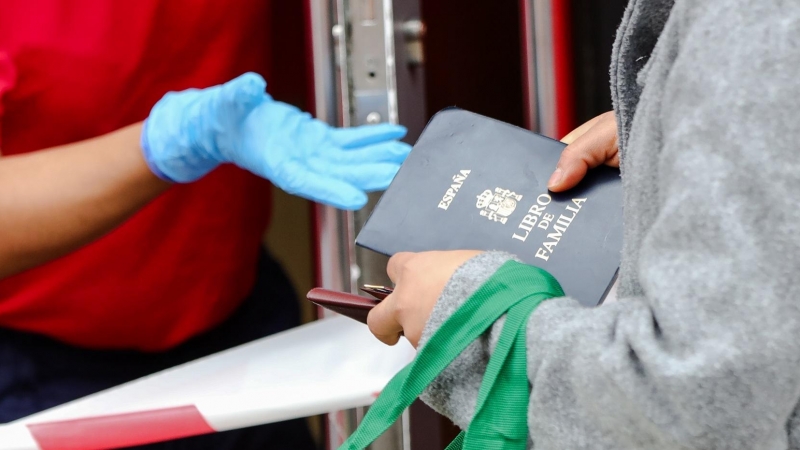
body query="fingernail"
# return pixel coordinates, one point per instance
(555, 177)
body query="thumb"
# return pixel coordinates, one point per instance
(590, 145)
(238, 97)
(571, 168)
(586, 152)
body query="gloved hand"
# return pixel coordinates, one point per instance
(189, 133)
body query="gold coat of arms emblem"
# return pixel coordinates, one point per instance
(497, 205)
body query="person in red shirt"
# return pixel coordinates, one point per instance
(185, 275)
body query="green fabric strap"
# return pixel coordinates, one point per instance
(500, 419)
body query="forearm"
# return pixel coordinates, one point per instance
(635, 374)
(455, 391)
(56, 200)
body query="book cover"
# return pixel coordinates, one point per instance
(472, 182)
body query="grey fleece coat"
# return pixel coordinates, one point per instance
(702, 349)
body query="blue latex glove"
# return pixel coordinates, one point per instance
(189, 133)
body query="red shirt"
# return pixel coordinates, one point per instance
(75, 69)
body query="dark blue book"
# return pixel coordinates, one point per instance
(472, 182)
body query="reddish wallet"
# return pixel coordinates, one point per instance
(350, 305)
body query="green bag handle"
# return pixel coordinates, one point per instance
(500, 420)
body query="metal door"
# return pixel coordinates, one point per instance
(374, 61)
(364, 51)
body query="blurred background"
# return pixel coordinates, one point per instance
(538, 64)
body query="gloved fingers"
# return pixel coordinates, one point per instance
(241, 95)
(392, 151)
(367, 177)
(326, 189)
(366, 134)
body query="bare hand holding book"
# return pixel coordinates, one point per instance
(472, 182)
